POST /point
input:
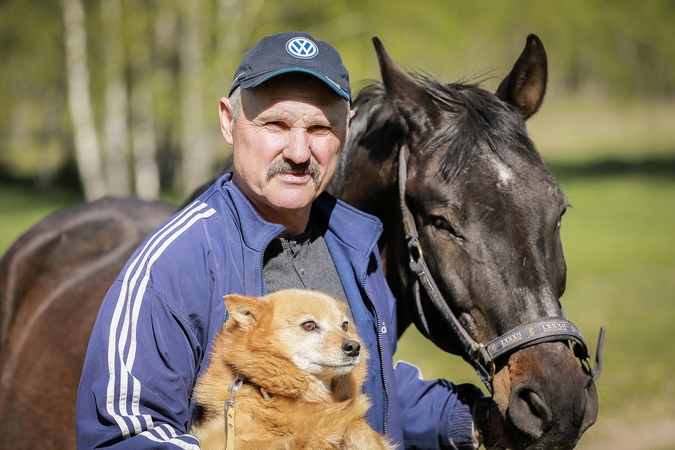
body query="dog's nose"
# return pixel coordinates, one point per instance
(351, 348)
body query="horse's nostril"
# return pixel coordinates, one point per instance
(351, 348)
(529, 412)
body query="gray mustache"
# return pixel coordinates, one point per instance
(310, 168)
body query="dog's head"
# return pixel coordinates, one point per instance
(308, 328)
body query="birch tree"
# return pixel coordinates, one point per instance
(143, 129)
(236, 19)
(86, 140)
(197, 157)
(115, 124)
(139, 28)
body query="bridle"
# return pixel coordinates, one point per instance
(483, 355)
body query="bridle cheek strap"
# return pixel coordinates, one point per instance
(482, 356)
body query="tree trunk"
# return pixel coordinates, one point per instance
(86, 141)
(143, 131)
(237, 18)
(116, 129)
(237, 21)
(197, 158)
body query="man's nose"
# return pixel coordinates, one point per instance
(298, 147)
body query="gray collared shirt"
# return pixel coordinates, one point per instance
(302, 262)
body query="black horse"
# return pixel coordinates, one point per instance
(482, 208)
(450, 170)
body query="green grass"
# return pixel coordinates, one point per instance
(620, 245)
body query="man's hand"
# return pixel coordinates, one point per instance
(488, 429)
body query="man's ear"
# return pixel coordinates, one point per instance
(245, 312)
(226, 119)
(350, 117)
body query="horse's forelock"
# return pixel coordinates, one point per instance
(475, 121)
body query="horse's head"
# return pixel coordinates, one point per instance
(488, 215)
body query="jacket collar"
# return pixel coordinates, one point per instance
(352, 227)
(355, 228)
(255, 231)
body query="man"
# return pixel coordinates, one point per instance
(265, 227)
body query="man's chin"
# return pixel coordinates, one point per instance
(290, 200)
(292, 194)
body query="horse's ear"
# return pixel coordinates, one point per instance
(245, 312)
(407, 97)
(525, 86)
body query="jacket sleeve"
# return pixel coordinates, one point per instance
(436, 414)
(138, 373)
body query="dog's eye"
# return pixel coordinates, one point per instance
(309, 325)
(345, 326)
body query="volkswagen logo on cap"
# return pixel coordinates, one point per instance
(301, 48)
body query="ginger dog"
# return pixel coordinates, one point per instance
(301, 368)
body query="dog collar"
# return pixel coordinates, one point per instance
(229, 412)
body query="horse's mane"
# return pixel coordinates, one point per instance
(477, 121)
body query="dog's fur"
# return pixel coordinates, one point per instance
(302, 386)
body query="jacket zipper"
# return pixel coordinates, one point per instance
(381, 328)
(263, 291)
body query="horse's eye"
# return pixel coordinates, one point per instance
(345, 326)
(442, 223)
(558, 224)
(310, 325)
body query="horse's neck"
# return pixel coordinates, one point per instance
(365, 176)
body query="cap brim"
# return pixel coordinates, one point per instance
(255, 81)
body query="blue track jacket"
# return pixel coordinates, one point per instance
(153, 334)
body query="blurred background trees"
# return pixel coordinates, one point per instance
(120, 96)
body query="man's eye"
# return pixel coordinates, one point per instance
(275, 125)
(319, 129)
(310, 325)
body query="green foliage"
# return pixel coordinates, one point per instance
(617, 48)
(600, 47)
(32, 119)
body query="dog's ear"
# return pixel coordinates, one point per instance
(245, 312)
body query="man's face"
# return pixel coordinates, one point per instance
(286, 139)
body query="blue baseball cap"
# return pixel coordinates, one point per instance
(293, 51)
